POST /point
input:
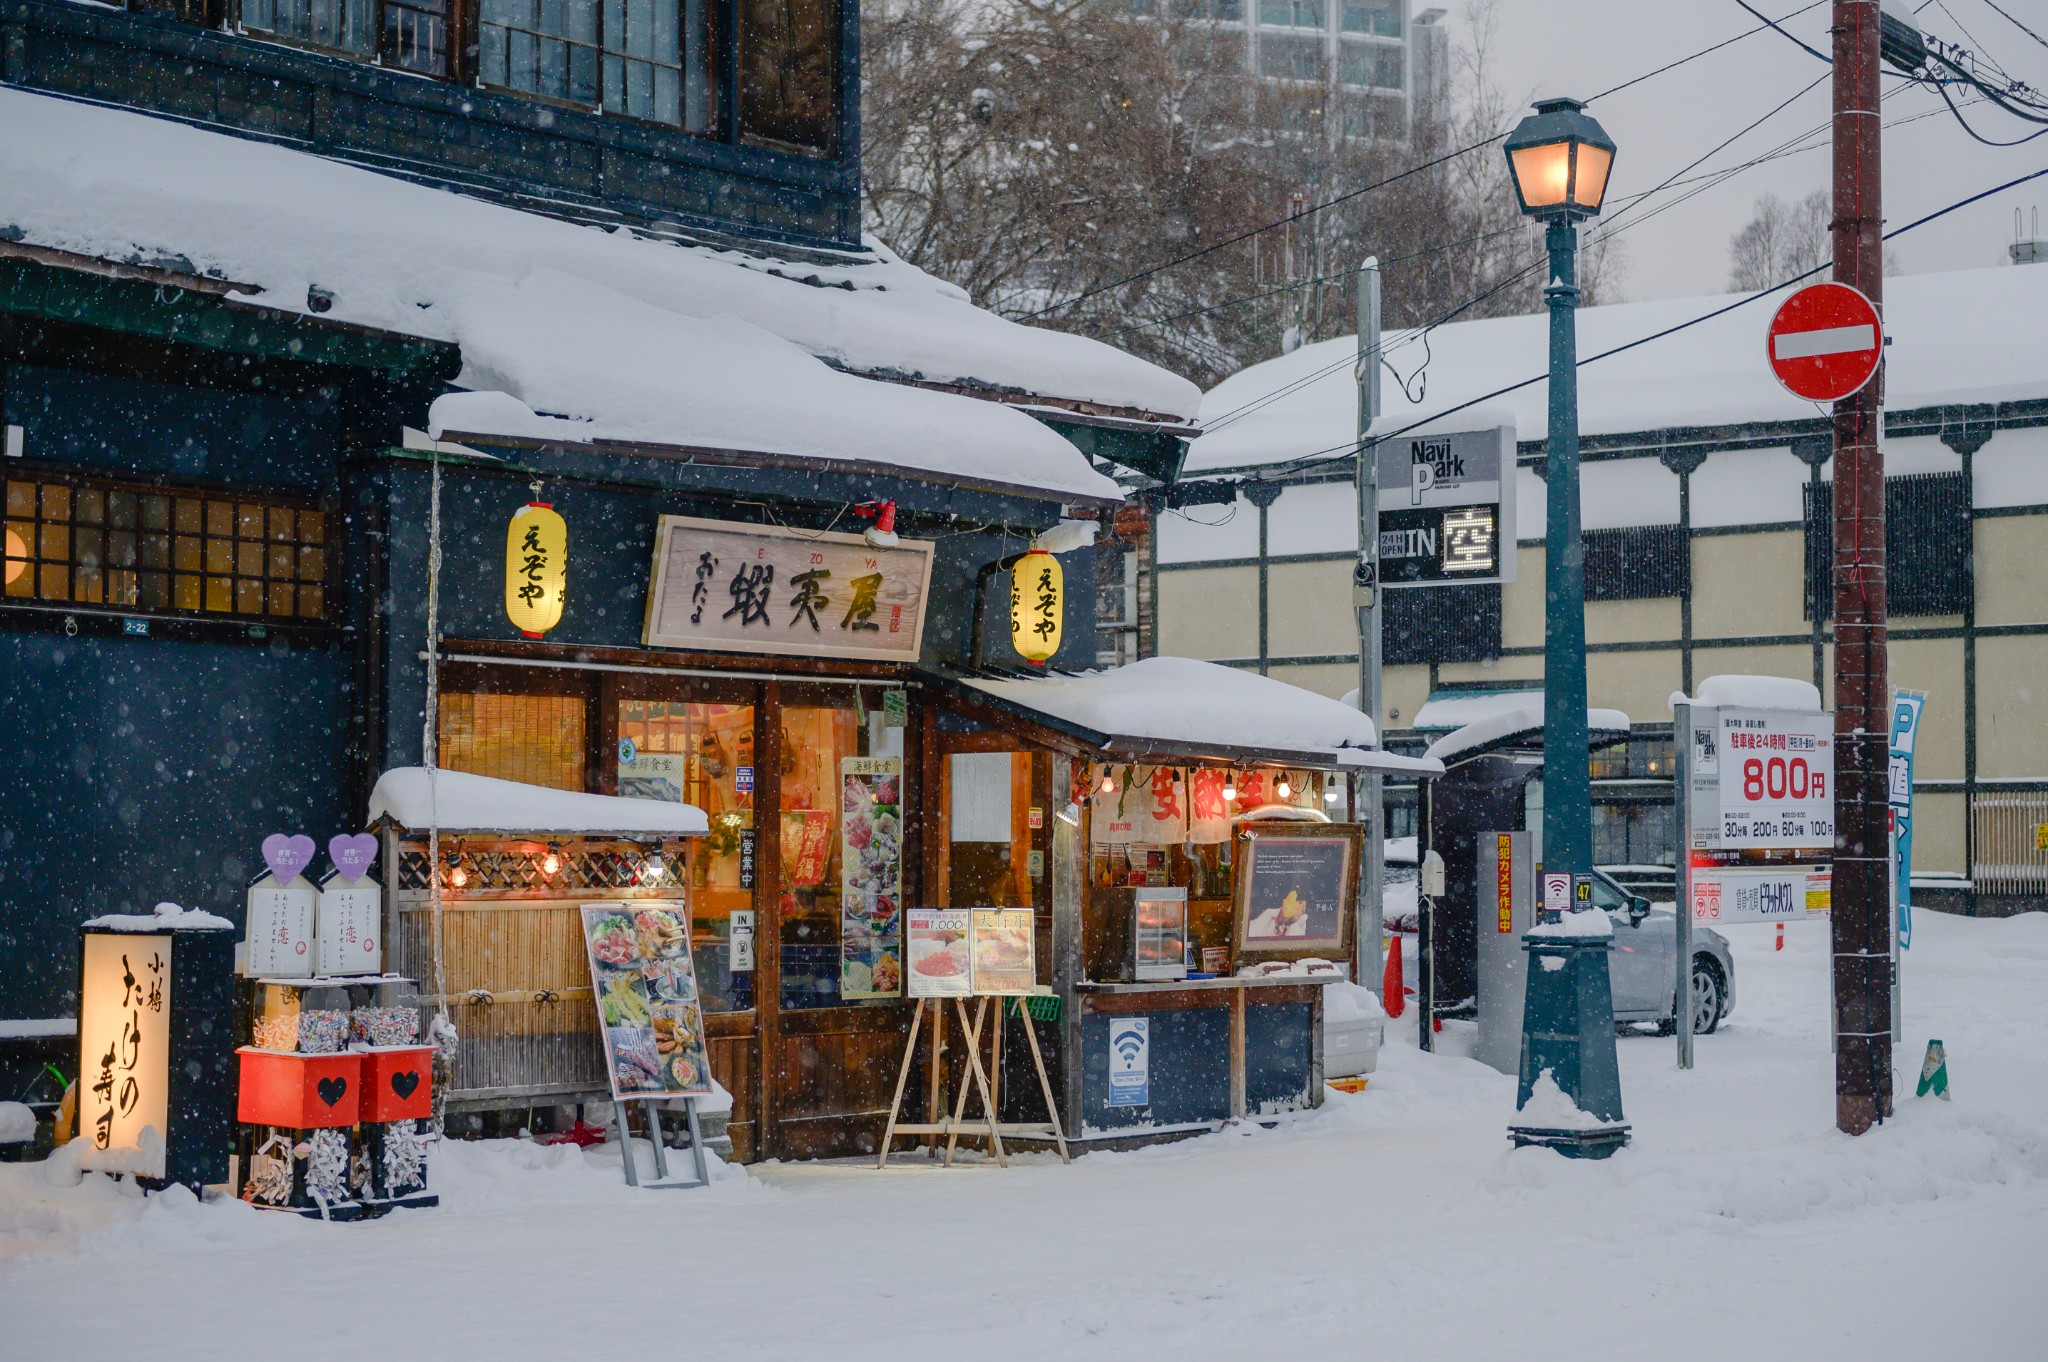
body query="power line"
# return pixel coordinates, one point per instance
(1398, 176)
(2001, 11)
(1349, 449)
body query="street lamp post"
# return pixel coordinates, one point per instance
(1560, 158)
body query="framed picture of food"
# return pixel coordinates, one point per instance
(1002, 951)
(645, 988)
(1297, 891)
(940, 965)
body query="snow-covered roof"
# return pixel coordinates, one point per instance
(1754, 692)
(1445, 710)
(1965, 336)
(462, 802)
(634, 339)
(1517, 721)
(1180, 702)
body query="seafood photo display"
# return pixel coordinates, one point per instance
(871, 877)
(646, 993)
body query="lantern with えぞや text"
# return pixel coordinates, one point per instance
(1037, 599)
(536, 568)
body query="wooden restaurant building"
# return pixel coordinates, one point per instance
(295, 348)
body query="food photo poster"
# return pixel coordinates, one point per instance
(871, 877)
(940, 966)
(646, 992)
(1004, 961)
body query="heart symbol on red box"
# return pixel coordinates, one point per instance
(287, 857)
(405, 1084)
(352, 854)
(332, 1090)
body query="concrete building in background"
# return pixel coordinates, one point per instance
(1707, 497)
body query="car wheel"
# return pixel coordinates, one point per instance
(1709, 995)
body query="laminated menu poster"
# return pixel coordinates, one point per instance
(647, 1004)
(871, 877)
(940, 966)
(1004, 958)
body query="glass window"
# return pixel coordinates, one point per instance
(1370, 16)
(415, 35)
(1369, 65)
(789, 72)
(344, 25)
(85, 542)
(840, 900)
(703, 754)
(650, 59)
(1228, 10)
(1292, 13)
(1290, 58)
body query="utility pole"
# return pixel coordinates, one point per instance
(1860, 922)
(1366, 597)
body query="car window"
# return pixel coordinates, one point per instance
(1607, 896)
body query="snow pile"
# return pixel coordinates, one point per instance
(17, 1123)
(1184, 701)
(471, 803)
(1446, 710)
(38, 1028)
(1518, 721)
(1960, 337)
(168, 917)
(640, 340)
(1548, 1108)
(1400, 850)
(1585, 922)
(1345, 1001)
(1753, 692)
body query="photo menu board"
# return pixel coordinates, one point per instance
(871, 877)
(940, 966)
(646, 992)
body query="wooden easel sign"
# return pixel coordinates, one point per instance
(986, 954)
(645, 987)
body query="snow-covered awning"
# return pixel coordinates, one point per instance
(625, 338)
(1515, 719)
(466, 803)
(1165, 708)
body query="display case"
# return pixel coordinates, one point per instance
(1141, 935)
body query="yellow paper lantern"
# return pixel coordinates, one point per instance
(1037, 598)
(536, 568)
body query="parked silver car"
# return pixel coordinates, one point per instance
(1644, 963)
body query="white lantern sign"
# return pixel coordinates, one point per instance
(124, 1035)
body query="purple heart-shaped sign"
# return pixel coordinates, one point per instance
(287, 857)
(352, 854)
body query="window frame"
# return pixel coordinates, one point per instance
(76, 480)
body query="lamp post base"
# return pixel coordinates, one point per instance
(1596, 1143)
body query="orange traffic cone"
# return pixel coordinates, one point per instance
(1781, 938)
(1391, 990)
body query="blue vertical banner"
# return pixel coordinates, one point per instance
(1906, 707)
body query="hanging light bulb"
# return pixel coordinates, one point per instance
(1332, 793)
(1284, 788)
(654, 865)
(551, 864)
(458, 876)
(1230, 787)
(1108, 781)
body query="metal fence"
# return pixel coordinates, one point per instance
(2003, 829)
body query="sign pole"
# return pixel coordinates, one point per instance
(1860, 918)
(1681, 997)
(1366, 599)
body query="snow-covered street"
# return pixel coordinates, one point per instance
(1394, 1223)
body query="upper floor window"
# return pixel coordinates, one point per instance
(409, 34)
(1370, 16)
(1291, 58)
(651, 59)
(1369, 65)
(160, 550)
(1292, 13)
(1231, 11)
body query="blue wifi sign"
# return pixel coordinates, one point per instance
(1130, 1054)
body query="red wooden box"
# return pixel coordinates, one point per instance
(299, 1092)
(398, 1083)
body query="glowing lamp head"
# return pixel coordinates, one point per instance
(551, 864)
(655, 865)
(459, 876)
(536, 568)
(1559, 158)
(1332, 793)
(1284, 788)
(1230, 789)
(1108, 782)
(1037, 604)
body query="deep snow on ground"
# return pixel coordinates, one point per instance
(1394, 1223)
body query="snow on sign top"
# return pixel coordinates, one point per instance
(632, 339)
(1825, 341)
(1753, 692)
(462, 802)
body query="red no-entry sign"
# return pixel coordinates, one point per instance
(1824, 342)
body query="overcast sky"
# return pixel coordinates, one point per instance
(1578, 47)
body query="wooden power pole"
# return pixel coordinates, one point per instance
(1861, 920)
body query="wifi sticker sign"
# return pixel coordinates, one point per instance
(1130, 1055)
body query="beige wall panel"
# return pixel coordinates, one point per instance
(1637, 684)
(1333, 679)
(1402, 691)
(1934, 666)
(1308, 610)
(1521, 602)
(2012, 707)
(1209, 612)
(1650, 621)
(1938, 832)
(2012, 570)
(1748, 585)
(1787, 660)
(1501, 671)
